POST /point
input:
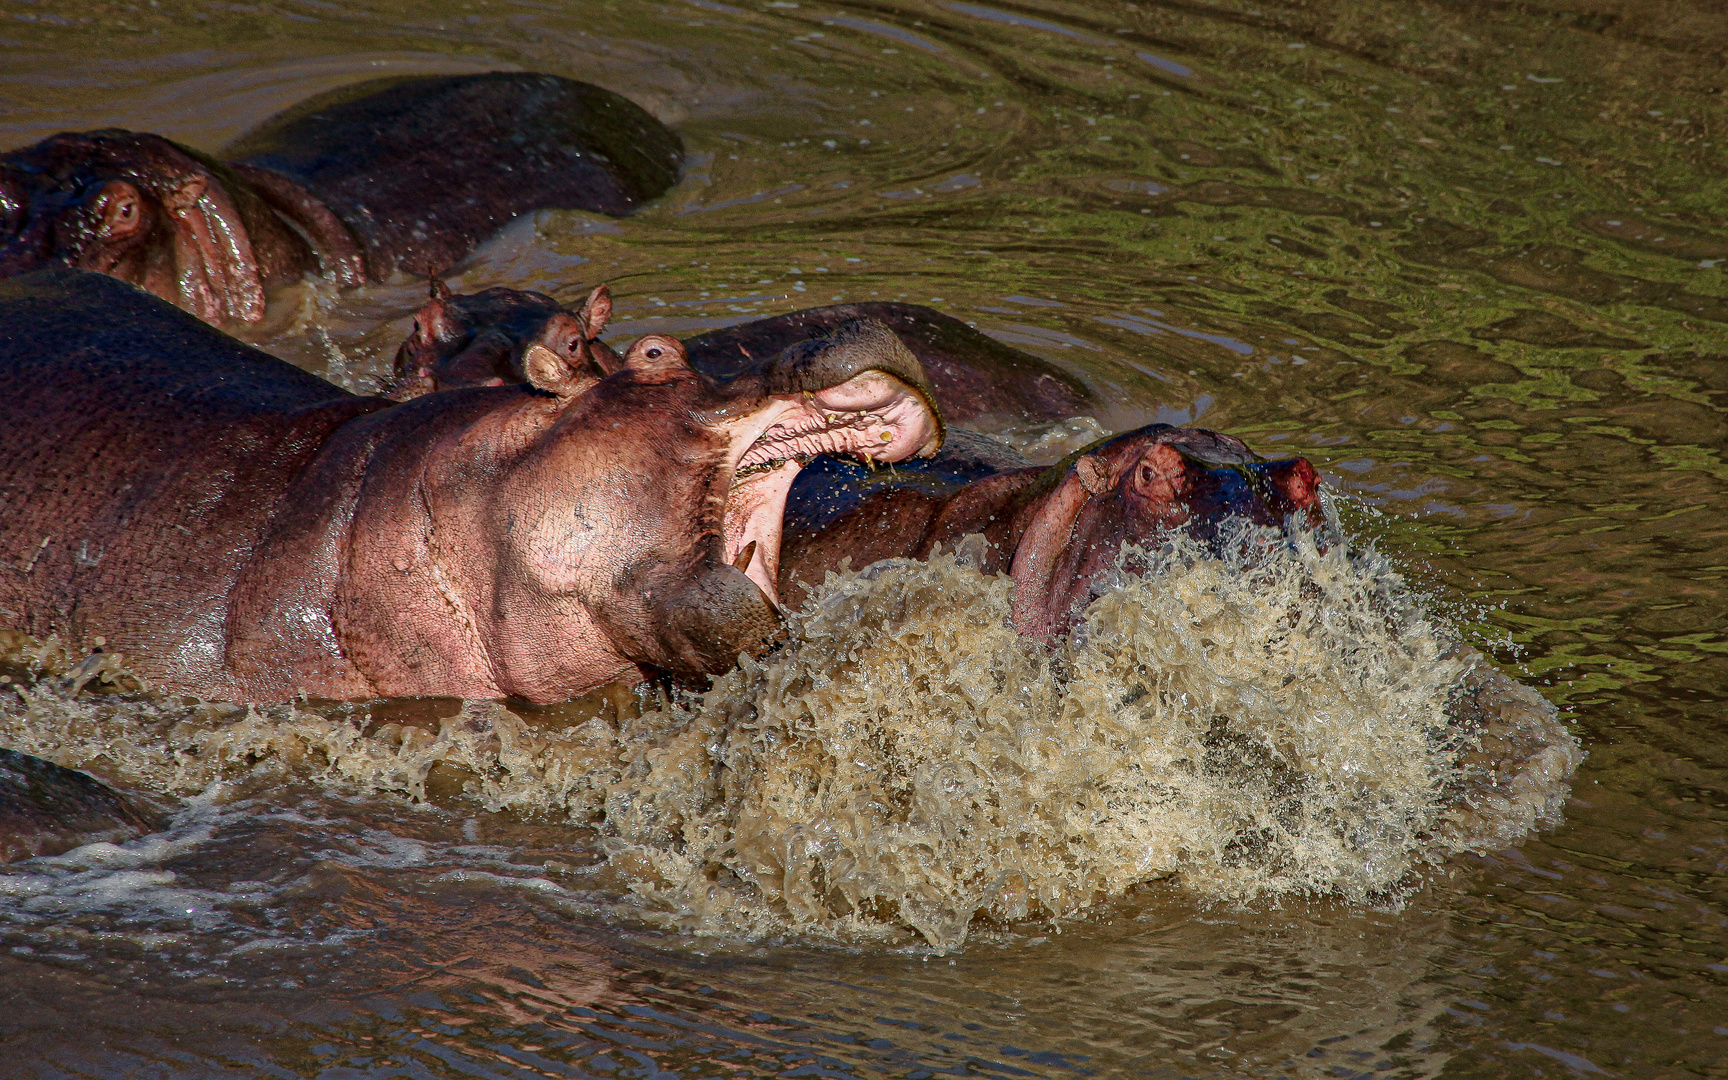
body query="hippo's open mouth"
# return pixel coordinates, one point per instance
(873, 415)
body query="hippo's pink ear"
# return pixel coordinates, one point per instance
(597, 309)
(560, 364)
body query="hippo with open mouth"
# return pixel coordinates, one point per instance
(355, 184)
(240, 529)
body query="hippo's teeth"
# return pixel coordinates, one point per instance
(803, 438)
(770, 466)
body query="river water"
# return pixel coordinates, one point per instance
(1464, 257)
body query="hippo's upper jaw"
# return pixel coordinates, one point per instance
(872, 415)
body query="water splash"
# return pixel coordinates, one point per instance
(1286, 721)
(1278, 720)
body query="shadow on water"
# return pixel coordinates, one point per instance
(1466, 257)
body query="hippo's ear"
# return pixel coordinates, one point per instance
(213, 260)
(1093, 474)
(657, 355)
(434, 323)
(563, 361)
(597, 309)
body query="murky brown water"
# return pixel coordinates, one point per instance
(1464, 257)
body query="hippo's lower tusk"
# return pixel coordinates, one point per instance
(742, 562)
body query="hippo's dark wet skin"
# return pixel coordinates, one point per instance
(46, 809)
(356, 184)
(1055, 530)
(242, 530)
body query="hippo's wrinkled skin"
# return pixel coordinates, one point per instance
(240, 529)
(395, 174)
(974, 375)
(1055, 530)
(46, 809)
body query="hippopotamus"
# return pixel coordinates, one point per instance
(481, 338)
(1056, 530)
(490, 338)
(240, 529)
(46, 809)
(399, 174)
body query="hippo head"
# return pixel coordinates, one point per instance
(1132, 488)
(136, 207)
(490, 338)
(577, 533)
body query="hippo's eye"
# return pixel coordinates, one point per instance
(655, 352)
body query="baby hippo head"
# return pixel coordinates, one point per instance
(1130, 489)
(496, 336)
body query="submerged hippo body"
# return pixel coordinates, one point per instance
(240, 529)
(974, 375)
(1055, 530)
(396, 174)
(46, 809)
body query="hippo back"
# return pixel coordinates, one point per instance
(974, 375)
(423, 168)
(141, 454)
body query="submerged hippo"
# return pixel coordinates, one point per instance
(46, 809)
(240, 529)
(395, 174)
(480, 339)
(1055, 530)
